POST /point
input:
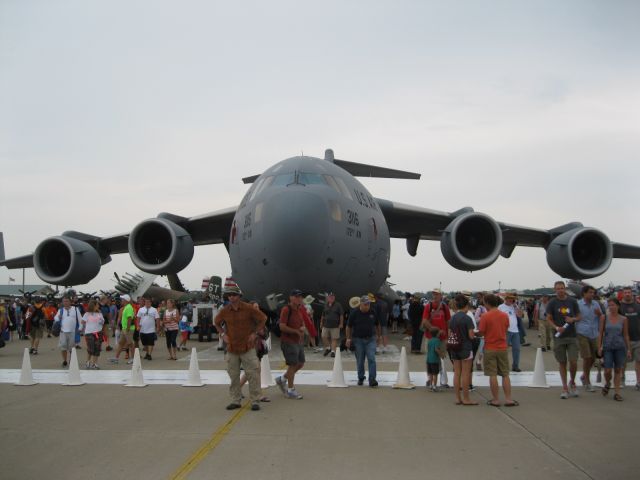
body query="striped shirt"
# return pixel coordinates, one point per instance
(171, 319)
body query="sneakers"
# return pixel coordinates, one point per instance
(280, 383)
(333, 354)
(516, 369)
(129, 362)
(590, 388)
(326, 352)
(360, 381)
(113, 360)
(109, 348)
(434, 388)
(64, 364)
(255, 407)
(564, 395)
(428, 383)
(31, 350)
(638, 386)
(233, 406)
(35, 351)
(573, 391)
(543, 349)
(293, 395)
(373, 383)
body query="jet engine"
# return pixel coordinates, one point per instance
(472, 241)
(160, 246)
(66, 261)
(580, 253)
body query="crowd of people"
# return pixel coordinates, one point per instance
(96, 323)
(469, 330)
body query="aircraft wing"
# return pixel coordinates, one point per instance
(574, 251)
(206, 229)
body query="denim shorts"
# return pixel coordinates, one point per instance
(615, 358)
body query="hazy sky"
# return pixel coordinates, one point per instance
(113, 111)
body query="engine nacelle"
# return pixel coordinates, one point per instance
(66, 261)
(472, 241)
(580, 253)
(160, 246)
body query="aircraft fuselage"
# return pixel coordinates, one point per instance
(307, 223)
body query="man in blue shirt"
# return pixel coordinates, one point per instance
(587, 330)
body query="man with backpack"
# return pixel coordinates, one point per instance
(69, 317)
(436, 313)
(292, 328)
(37, 315)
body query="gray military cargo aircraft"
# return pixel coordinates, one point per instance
(308, 223)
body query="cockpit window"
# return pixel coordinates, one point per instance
(343, 188)
(284, 179)
(263, 183)
(310, 179)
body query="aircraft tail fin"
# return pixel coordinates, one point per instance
(2, 258)
(365, 170)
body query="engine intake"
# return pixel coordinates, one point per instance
(160, 246)
(471, 241)
(66, 261)
(580, 253)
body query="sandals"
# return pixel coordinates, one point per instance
(605, 390)
(491, 404)
(617, 397)
(514, 403)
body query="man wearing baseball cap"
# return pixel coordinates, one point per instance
(363, 328)
(292, 328)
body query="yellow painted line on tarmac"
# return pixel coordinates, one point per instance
(194, 460)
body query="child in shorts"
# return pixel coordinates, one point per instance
(435, 352)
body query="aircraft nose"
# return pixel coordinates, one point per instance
(296, 228)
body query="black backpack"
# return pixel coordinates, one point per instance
(38, 316)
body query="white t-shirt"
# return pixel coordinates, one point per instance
(148, 318)
(513, 319)
(68, 319)
(93, 322)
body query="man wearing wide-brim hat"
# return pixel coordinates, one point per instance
(363, 328)
(241, 325)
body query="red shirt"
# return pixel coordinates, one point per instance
(294, 320)
(438, 316)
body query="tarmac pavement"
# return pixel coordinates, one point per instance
(166, 431)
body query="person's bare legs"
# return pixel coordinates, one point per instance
(587, 363)
(506, 386)
(563, 376)
(617, 375)
(466, 380)
(291, 373)
(495, 393)
(457, 369)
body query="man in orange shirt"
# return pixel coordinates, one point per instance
(241, 324)
(49, 313)
(493, 327)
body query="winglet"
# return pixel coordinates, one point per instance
(1, 247)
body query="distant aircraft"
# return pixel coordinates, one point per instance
(308, 223)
